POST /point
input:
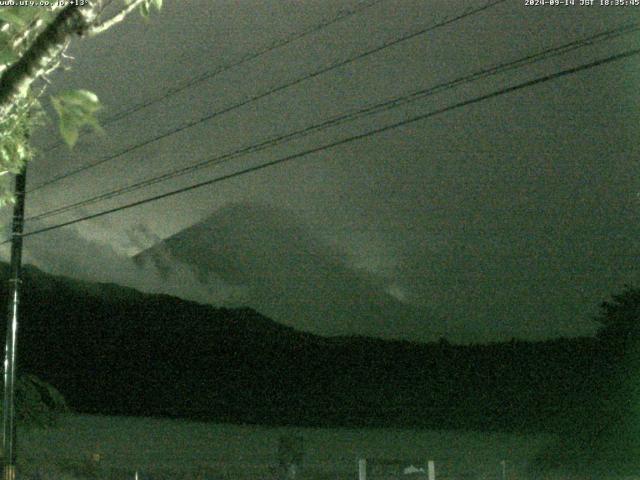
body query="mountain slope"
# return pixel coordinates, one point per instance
(114, 350)
(286, 273)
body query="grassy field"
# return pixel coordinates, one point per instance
(148, 445)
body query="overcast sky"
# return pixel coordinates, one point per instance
(511, 217)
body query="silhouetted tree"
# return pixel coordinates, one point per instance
(620, 320)
(604, 435)
(32, 45)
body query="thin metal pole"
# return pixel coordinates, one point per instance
(8, 405)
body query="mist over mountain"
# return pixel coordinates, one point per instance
(269, 261)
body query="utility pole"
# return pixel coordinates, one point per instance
(8, 404)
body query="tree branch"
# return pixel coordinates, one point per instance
(16, 80)
(119, 17)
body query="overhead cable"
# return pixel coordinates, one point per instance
(376, 131)
(360, 113)
(269, 92)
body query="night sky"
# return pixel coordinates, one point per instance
(511, 217)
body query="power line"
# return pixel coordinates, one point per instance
(497, 93)
(387, 105)
(343, 14)
(272, 91)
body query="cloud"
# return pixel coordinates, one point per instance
(66, 252)
(289, 274)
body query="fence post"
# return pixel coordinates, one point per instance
(432, 469)
(504, 469)
(362, 469)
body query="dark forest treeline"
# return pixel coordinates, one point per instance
(113, 350)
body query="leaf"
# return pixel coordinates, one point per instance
(6, 196)
(7, 56)
(84, 99)
(17, 16)
(69, 129)
(76, 108)
(146, 5)
(144, 9)
(11, 15)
